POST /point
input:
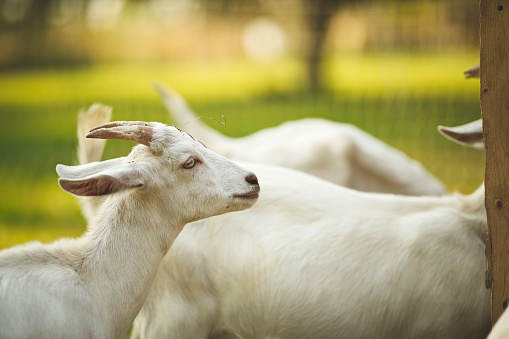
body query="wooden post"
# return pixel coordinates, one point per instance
(494, 92)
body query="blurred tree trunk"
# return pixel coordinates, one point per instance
(318, 20)
(33, 33)
(30, 38)
(25, 30)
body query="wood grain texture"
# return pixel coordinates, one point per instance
(494, 92)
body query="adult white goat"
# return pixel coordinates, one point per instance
(93, 286)
(312, 260)
(316, 260)
(337, 152)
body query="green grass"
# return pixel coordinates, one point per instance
(398, 98)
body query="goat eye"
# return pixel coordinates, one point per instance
(189, 163)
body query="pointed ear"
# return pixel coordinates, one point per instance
(81, 171)
(469, 134)
(473, 72)
(105, 182)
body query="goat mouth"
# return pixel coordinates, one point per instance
(248, 195)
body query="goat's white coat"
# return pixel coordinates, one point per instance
(314, 260)
(501, 328)
(93, 286)
(337, 152)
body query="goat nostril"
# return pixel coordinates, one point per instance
(252, 179)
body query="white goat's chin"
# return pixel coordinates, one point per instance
(246, 200)
(247, 196)
(251, 195)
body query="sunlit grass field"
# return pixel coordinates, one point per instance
(399, 98)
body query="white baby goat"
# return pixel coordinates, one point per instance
(337, 152)
(93, 286)
(316, 260)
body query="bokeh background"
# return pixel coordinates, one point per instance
(393, 68)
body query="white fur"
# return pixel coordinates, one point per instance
(501, 328)
(93, 286)
(337, 152)
(314, 260)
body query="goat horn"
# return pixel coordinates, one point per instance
(138, 131)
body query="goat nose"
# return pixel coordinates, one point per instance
(252, 179)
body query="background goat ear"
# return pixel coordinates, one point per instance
(469, 134)
(106, 182)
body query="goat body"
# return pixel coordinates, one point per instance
(315, 260)
(93, 286)
(337, 152)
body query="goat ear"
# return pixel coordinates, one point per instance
(81, 171)
(105, 182)
(469, 134)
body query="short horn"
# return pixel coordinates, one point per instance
(137, 131)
